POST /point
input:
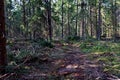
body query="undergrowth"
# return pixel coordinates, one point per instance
(18, 52)
(106, 53)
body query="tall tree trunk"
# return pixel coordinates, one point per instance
(24, 14)
(96, 19)
(68, 16)
(99, 21)
(2, 39)
(83, 8)
(76, 18)
(62, 20)
(30, 15)
(49, 18)
(91, 23)
(83, 28)
(114, 20)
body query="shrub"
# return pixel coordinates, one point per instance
(44, 43)
(73, 38)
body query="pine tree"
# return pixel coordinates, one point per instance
(2, 38)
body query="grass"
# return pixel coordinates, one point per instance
(107, 53)
(100, 46)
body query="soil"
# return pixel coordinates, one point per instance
(63, 62)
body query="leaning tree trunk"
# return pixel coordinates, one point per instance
(2, 39)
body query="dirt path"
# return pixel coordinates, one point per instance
(64, 63)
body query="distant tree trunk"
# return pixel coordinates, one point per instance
(24, 13)
(76, 18)
(96, 19)
(91, 23)
(2, 39)
(49, 18)
(114, 19)
(99, 21)
(68, 16)
(28, 14)
(83, 8)
(62, 20)
(83, 28)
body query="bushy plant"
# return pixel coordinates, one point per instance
(73, 38)
(44, 43)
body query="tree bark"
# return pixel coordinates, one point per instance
(68, 17)
(83, 8)
(2, 39)
(91, 24)
(76, 19)
(114, 20)
(99, 21)
(49, 18)
(62, 20)
(24, 15)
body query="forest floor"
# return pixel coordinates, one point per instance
(63, 62)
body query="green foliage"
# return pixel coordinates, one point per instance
(106, 53)
(42, 42)
(14, 61)
(86, 47)
(46, 44)
(110, 61)
(73, 38)
(18, 57)
(20, 70)
(100, 48)
(11, 57)
(22, 54)
(97, 46)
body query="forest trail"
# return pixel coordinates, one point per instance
(63, 62)
(68, 62)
